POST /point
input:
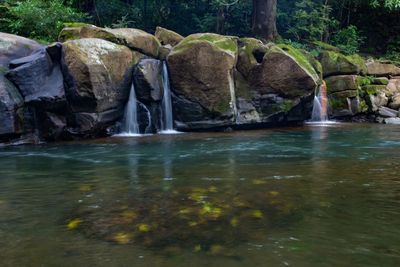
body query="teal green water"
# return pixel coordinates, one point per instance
(311, 196)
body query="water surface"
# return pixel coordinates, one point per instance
(311, 196)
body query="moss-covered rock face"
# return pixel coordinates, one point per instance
(344, 95)
(135, 39)
(201, 68)
(342, 83)
(284, 71)
(168, 37)
(271, 80)
(334, 63)
(97, 74)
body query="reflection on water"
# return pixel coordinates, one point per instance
(313, 196)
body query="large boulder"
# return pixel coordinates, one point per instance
(135, 39)
(148, 82)
(39, 80)
(334, 63)
(97, 77)
(201, 68)
(14, 47)
(381, 69)
(11, 110)
(12, 122)
(168, 37)
(273, 83)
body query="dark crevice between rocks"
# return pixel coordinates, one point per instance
(259, 55)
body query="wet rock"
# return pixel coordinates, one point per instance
(148, 82)
(168, 37)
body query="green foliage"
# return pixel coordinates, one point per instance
(38, 19)
(309, 20)
(348, 40)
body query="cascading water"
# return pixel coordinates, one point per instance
(233, 96)
(320, 109)
(167, 125)
(130, 121)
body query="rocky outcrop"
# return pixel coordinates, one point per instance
(168, 37)
(39, 80)
(135, 39)
(201, 68)
(382, 69)
(12, 117)
(265, 93)
(97, 77)
(334, 63)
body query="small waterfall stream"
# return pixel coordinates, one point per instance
(167, 122)
(233, 96)
(320, 108)
(130, 122)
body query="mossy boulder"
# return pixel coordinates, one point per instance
(98, 74)
(168, 37)
(334, 63)
(342, 83)
(324, 46)
(201, 68)
(382, 69)
(274, 80)
(135, 39)
(284, 71)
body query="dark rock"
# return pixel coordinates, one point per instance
(39, 80)
(148, 82)
(11, 110)
(14, 47)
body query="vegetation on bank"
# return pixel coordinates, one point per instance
(351, 25)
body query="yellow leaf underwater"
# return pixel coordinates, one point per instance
(73, 224)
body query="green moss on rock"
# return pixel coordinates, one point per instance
(300, 58)
(226, 43)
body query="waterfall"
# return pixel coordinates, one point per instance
(130, 121)
(320, 109)
(167, 125)
(233, 96)
(148, 128)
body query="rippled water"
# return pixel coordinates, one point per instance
(332, 198)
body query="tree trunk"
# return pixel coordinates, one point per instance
(264, 19)
(221, 20)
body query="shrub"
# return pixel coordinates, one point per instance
(348, 40)
(38, 19)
